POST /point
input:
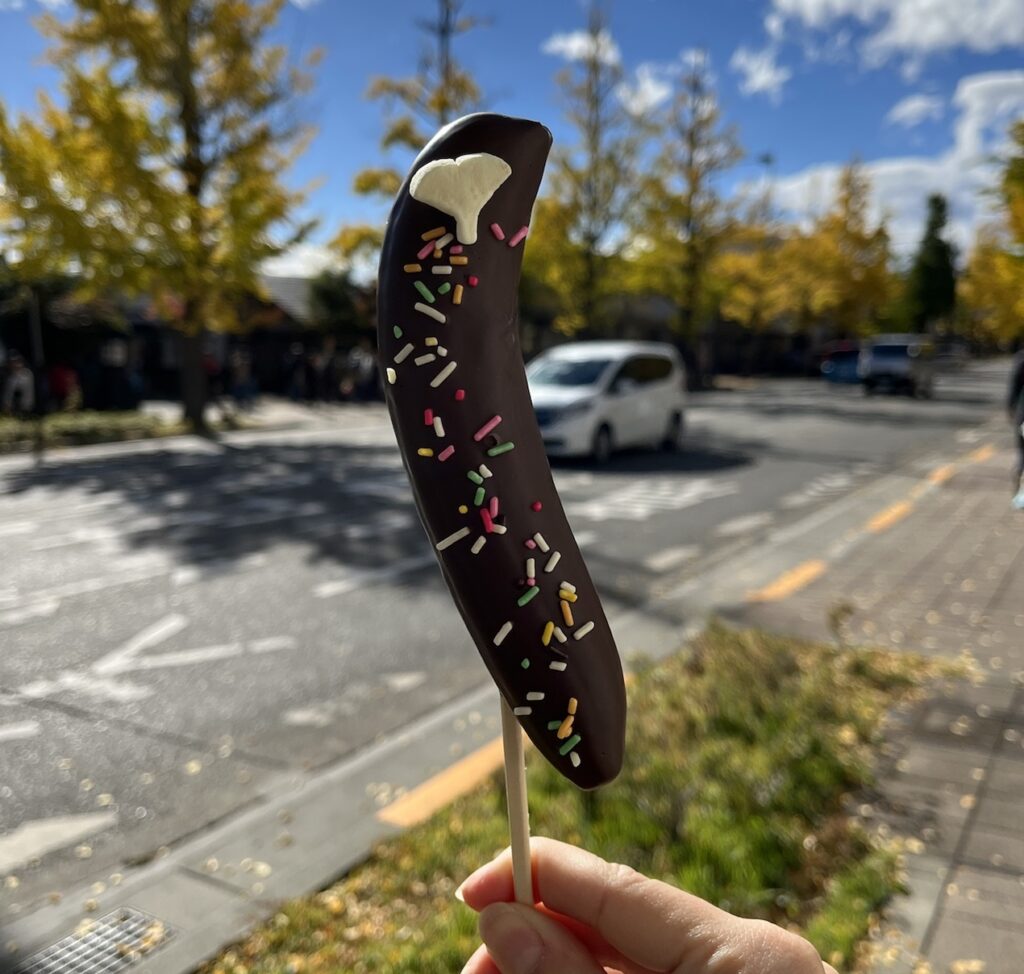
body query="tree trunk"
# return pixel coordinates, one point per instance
(194, 389)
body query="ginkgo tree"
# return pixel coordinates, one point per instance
(159, 170)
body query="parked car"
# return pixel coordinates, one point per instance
(592, 398)
(898, 363)
(839, 362)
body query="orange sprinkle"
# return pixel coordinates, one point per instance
(549, 629)
(434, 234)
(412, 268)
(573, 704)
(424, 451)
(566, 613)
(568, 596)
(463, 509)
(457, 296)
(566, 729)
(437, 253)
(458, 260)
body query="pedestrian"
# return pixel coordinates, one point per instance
(19, 395)
(1015, 407)
(598, 917)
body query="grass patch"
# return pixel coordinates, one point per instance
(739, 762)
(79, 428)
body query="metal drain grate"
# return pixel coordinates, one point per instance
(105, 946)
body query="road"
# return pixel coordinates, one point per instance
(184, 626)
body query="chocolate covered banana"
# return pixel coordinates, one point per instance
(458, 397)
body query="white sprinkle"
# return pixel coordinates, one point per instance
(541, 543)
(392, 376)
(442, 351)
(441, 269)
(424, 359)
(568, 586)
(438, 427)
(444, 241)
(531, 568)
(443, 374)
(451, 539)
(559, 635)
(552, 561)
(523, 711)
(403, 354)
(485, 470)
(583, 630)
(430, 312)
(502, 633)
(557, 666)
(575, 758)
(535, 695)
(498, 529)
(478, 544)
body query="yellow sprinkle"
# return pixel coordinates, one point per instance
(459, 260)
(430, 342)
(412, 268)
(566, 613)
(566, 729)
(437, 253)
(457, 294)
(463, 509)
(549, 629)
(573, 704)
(568, 596)
(425, 451)
(433, 234)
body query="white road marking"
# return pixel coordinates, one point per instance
(33, 840)
(22, 731)
(669, 558)
(17, 527)
(39, 610)
(309, 716)
(124, 658)
(371, 576)
(584, 538)
(639, 500)
(743, 524)
(404, 682)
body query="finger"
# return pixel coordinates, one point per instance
(521, 940)
(481, 963)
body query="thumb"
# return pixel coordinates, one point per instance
(521, 940)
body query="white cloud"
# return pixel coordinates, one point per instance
(581, 45)
(912, 30)
(985, 104)
(302, 260)
(11, 5)
(304, 4)
(649, 89)
(915, 109)
(760, 72)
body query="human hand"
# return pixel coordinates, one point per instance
(596, 917)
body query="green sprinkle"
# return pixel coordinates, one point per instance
(425, 291)
(397, 331)
(569, 744)
(497, 451)
(525, 664)
(474, 476)
(528, 594)
(444, 288)
(478, 497)
(554, 724)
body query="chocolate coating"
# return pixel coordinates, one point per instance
(481, 336)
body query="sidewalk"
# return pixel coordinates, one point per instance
(942, 575)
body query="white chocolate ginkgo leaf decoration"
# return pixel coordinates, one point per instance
(460, 187)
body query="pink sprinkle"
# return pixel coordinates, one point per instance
(530, 543)
(486, 428)
(531, 581)
(446, 453)
(460, 394)
(426, 250)
(455, 249)
(473, 280)
(497, 231)
(485, 516)
(537, 505)
(428, 417)
(518, 237)
(494, 507)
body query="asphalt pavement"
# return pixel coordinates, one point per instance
(187, 626)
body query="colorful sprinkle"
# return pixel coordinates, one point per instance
(497, 231)
(583, 630)
(485, 471)
(569, 744)
(473, 280)
(443, 374)
(535, 696)
(424, 359)
(486, 428)
(478, 545)
(573, 705)
(412, 268)
(437, 253)
(439, 427)
(457, 296)
(557, 665)
(519, 236)
(426, 250)
(451, 539)
(442, 351)
(441, 269)
(499, 529)
(524, 663)
(568, 586)
(541, 543)
(425, 309)
(531, 566)
(444, 288)
(497, 451)
(403, 353)
(460, 394)
(537, 506)
(522, 711)
(462, 507)
(552, 561)
(565, 728)
(530, 543)
(434, 234)
(397, 331)
(428, 417)
(485, 517)
(531, 581)
(527, 596)
(575, 758)
(425, 291)
(430, 342)
(446, 453)
(425, 451)
(567, 613)
(474, 476)
(459, 261)
(554, 724)
(392, 376)
(494, 506)
(478, 498)
(499, 637)
(445, 240)
(549, 630)
(455, 249)
(568, 596)
(559, 635)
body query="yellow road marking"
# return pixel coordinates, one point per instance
(419, 804)
(789, 582)
(885, 519)
(982, 454)
(941, 474)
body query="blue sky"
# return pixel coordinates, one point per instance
(921, 90)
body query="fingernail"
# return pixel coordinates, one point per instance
(514, 944)
(458, 892)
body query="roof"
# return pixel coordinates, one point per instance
(292, 294)
(611, 350)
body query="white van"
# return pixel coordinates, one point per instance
(593, 397)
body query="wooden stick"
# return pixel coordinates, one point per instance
(518, 809)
